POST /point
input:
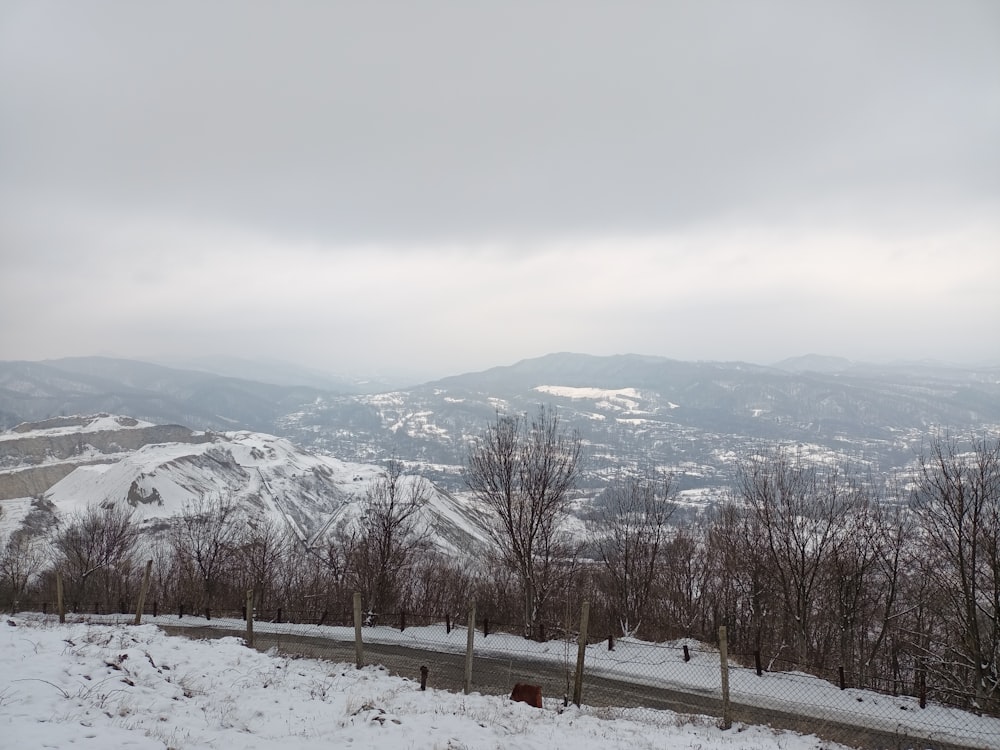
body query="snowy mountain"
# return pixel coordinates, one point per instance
(102, 459)
(32, 391)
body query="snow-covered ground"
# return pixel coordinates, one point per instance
(615, 399)
(117, 686)
(58, 682)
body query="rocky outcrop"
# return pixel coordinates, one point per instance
(36, 459)
(33, 449)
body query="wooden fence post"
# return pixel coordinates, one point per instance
(581, 653)
(142, 593)
(249, 611)
(727, 721)
(59, 597)
(922, 684)
(470, 639)
(359, 648)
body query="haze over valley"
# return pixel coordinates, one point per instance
(634, 414)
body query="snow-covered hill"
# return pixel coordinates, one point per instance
(307, 493)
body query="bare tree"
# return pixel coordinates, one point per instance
(958, 504)
(205, 539)
(261, 550)
(800, 515)
(22, 559)
(631, 534)
(523, 472)
(97, 543)
(684, 580)
(388, 541)
(741, 586)
(442, 584)
(308, 577)
(894, 527)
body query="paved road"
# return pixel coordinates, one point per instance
(494, 675)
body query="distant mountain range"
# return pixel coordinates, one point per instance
(692, 418)
(632, 411)
(32, 391)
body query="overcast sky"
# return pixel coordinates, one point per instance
(440, 187)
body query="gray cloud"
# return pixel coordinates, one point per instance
(248, 143)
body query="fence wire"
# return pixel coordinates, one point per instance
(621, 677)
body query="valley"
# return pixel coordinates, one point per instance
(632, 413)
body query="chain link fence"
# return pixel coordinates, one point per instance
(620, 677)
